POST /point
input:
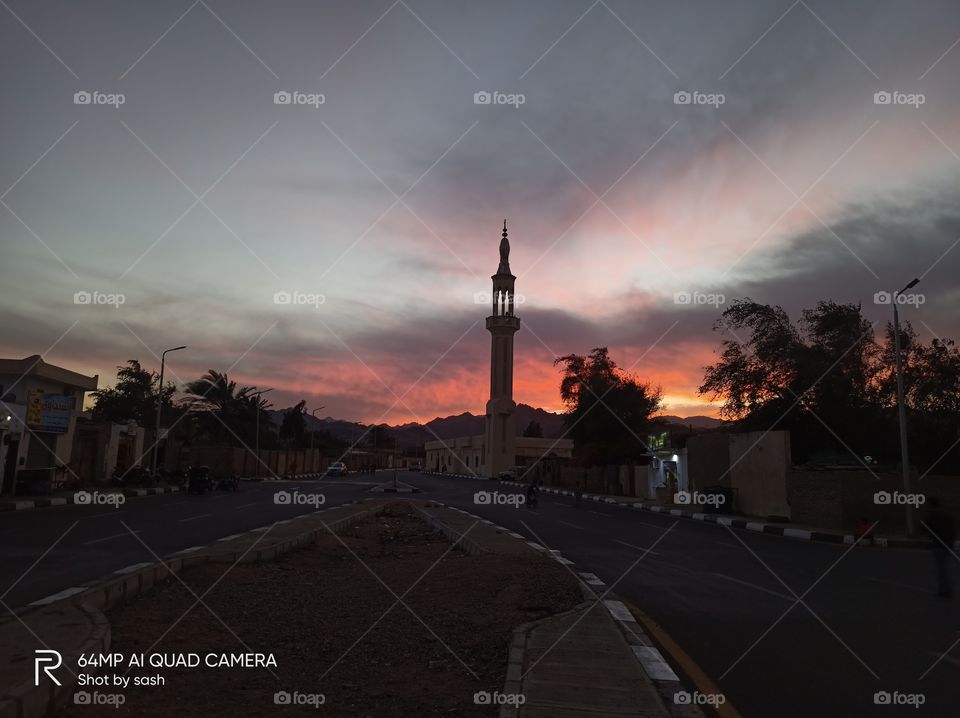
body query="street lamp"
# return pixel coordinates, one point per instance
(901, 407)
(156, 438)
(256, 405)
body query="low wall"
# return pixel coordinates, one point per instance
(839, 499)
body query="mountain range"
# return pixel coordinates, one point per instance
(414, 434)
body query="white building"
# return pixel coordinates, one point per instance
(499, 448)
(39, 406)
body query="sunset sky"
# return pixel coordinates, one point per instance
(199, 198)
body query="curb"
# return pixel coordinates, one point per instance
(30, 504)
(30, 701)
(772, 529)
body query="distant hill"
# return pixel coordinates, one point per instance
(697, 422)
(414, 434)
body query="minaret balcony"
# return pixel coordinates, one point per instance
(503, 321)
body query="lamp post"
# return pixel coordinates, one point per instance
(256, 405)
(156, 438)
(901, 407)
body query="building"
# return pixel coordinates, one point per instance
(39, 406)
(498, 449)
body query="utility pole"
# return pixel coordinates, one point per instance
(156, 437)
(902, 409)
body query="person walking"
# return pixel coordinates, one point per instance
(943, 531)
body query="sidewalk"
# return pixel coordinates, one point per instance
(792, 531)
(594, 660)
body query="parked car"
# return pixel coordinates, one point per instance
(416, 466)
(337, 468)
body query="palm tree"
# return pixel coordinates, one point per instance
(225, 411)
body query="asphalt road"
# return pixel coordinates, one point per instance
(45, 551)
(868, 621)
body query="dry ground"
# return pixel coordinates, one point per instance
(315, 610)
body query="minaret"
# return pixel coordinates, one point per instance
(501, 421)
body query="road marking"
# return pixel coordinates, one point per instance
(66, 593)
(638, 548)
(109, 538)
(187, 550)
(755, 586)
(194, 518)
(230, 538)
(567, 523)
(243, 506)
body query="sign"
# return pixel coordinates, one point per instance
(49, 412)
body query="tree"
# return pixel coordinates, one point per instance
(134, 396)
(608, 409)
(226, 413)
(293, 427)
(533, 430)
(832, 384)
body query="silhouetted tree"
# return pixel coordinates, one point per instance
(608, 410)
(134, 396)
(226, 413)
(293, 427)
(832, 384)
(533, 430)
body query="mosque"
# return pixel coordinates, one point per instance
(499, 449)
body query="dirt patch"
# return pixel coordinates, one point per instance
(317, 610)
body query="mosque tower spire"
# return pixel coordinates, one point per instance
(501, 423)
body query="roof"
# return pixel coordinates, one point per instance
(36, 366)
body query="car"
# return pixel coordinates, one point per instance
(416, 466)
(337, 468)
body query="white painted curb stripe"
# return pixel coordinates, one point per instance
(653, 663)
(66, 593)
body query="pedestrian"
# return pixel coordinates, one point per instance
(577, 493)
(943, 531)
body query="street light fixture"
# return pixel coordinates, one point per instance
(901, 407)
(156, 438)
(257, 407)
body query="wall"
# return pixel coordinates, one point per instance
(758, 473)
(838, 499)
(708, 459)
